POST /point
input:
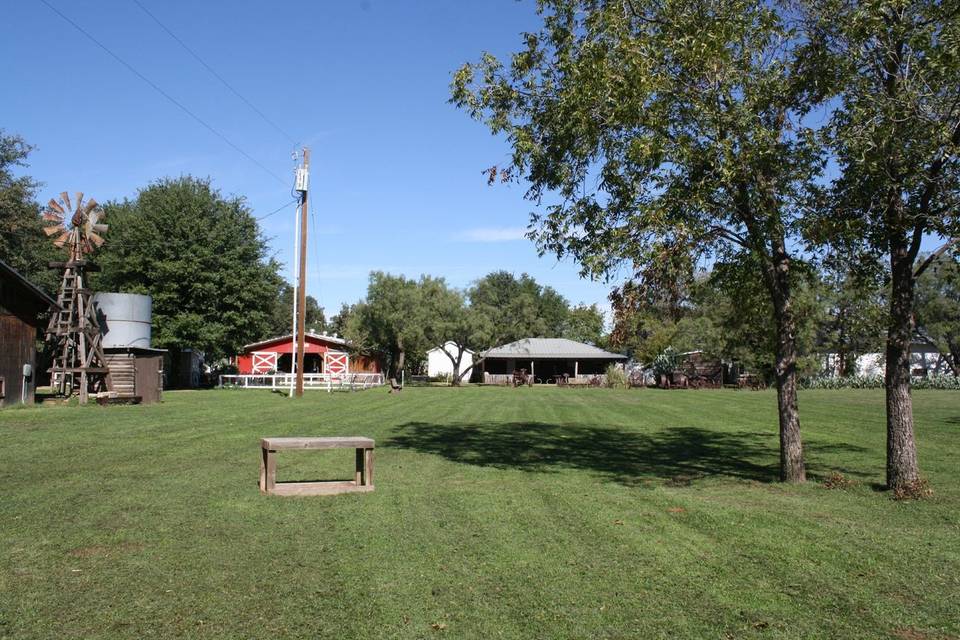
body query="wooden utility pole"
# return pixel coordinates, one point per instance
(302, 187)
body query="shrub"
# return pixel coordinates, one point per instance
(950, 383)
(848, 382)
(616, 377)
(666, 362)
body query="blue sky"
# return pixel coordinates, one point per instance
(396, 179)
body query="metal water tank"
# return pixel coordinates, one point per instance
(124, 319)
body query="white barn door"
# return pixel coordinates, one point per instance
(336, 362)
(264, 362)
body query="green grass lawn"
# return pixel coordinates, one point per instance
(515, 513)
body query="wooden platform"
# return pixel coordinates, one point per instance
(318, 488)
(363, 476)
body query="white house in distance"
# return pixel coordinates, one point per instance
(439, 364)
(925, 360)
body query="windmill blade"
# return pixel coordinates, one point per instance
(100, 228)
(90, 206)
(55, 206)
(53, 217)
(65, 198)
(78, 196)
(95, 239)
(62, 240)
(58, 228)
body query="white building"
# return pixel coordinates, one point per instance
(439, 364)
(925, 360)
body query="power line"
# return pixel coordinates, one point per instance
(277, 210)
(165, 94)
(215, 74)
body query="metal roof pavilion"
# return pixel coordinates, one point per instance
(551, 348)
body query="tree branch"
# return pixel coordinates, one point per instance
(933, 256)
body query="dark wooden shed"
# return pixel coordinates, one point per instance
(136, 372)
(22, 309)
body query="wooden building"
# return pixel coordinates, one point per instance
(322, 354)
(22, 307)
(136, 372)
(547, 360)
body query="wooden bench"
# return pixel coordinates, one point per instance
(363, 478)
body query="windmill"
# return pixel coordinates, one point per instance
(79, 364)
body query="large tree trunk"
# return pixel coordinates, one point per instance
(902, 468)
(399, 354)
(792, 467)
(463, 374)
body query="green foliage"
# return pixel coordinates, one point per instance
(936, 382)
(725, 313)
(202, 259)
(405, 316)
(665, 133)
(281, 321)
(23, 244)
(851, 293)
(843, 382)
(338, 323)
(666, 129)
(518, 307)
(616, 377)
(666, 362)
(895, 130)
(392, 319)
(938, 308)
(584, 324)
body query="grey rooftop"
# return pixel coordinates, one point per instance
(547, 348)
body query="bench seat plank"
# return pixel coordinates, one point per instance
(280, 444)
(318, 488)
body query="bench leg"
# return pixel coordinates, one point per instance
(368, 467)
(268, 470)
(358, 476)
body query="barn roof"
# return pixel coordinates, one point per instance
(555, 348)
(289, 336)
(22, 289)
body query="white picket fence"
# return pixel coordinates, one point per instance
(322, 381)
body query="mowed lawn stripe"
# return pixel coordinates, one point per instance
(498, 513)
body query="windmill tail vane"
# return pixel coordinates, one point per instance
(79, 364)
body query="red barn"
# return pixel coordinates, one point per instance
(321, 354)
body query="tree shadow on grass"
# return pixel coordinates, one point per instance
(679, 455)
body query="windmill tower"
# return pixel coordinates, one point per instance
(79, 365)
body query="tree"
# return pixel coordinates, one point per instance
(281, 322)
(391, 319)
(454, 327)
(664, 128)
(852, 298)
(584, 324)
(519, 307)
(339, 321)
(23, 244)
(938, 308)
(896, 136)
(200, 256)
